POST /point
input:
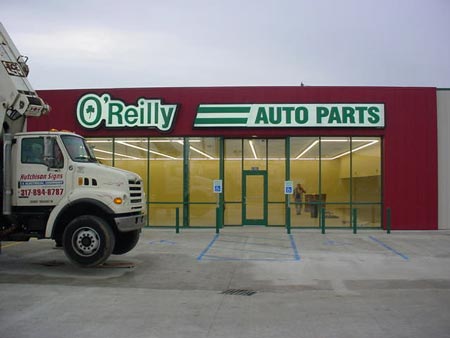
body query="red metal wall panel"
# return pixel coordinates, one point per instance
(410, 135)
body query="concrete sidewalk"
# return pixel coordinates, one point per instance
(244, 282)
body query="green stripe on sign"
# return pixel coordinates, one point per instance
(215, 109)
(219, 121)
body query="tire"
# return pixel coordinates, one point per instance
(126, 241)
(88, 241)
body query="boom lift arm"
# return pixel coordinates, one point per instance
(17, 98)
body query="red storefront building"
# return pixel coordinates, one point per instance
(359, 153)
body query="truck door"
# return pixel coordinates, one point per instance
(40, 176)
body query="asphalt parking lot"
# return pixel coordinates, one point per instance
(243, 282)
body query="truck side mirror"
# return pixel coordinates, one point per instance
(53, 156)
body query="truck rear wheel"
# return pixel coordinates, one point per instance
(126, 241)
(88, 241)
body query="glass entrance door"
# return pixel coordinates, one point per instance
(254, 195)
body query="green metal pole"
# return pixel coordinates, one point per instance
(287, 153)
(221, 216)
(217, 220)
(288, 219)
(354, 219)
(322, 219)
(177, 220)
(221, 176)
(186, 183)
(148, 182)
(388, 220)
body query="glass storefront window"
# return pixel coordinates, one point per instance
(304, 169)
(233, 181)
(335, 183)
(339, 174)
(276, 177)
(335, 173)
(366, 180)
(255, 154)
(165, 181)
(204, 161)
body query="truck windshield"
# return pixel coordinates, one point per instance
(78, 149)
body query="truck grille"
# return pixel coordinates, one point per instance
(136, 194)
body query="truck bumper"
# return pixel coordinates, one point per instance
(130, 223)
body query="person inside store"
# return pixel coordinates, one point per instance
(298, 197)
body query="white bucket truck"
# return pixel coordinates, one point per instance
(52, 185)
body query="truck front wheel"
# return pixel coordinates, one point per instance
(88, 241)
(125, 241)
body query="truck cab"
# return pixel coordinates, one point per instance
(52, 184)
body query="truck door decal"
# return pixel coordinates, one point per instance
(39, 182)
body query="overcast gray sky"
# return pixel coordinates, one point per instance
(152, 43)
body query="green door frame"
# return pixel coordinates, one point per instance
(245, 220)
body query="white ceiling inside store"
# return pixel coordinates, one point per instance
(302, 148)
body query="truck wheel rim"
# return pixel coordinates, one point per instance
(86, 241)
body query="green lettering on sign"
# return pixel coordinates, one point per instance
(92, 110)
(335, 116)
(87, 111)
(348, 115)
(301, 115)
(322, 112)
(262, 116)
(290, 115)
(374, 115)
(114, 113)
(275, 115)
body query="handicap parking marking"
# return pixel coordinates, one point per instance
(384, 245)
(268, 256)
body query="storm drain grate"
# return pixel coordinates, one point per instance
(239, 292)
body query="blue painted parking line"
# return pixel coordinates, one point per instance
(294, 247)
(295, 256)
(389, 248)
(203, 253)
